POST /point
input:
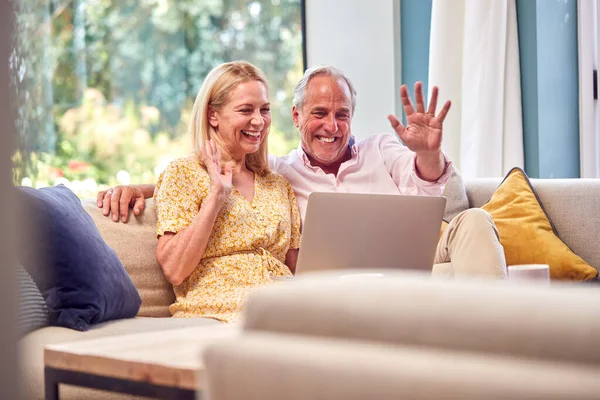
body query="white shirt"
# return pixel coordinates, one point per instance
(379, 164)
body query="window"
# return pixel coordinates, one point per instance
(105, 88)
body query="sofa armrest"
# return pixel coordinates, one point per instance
(411, 336)
(493, 317)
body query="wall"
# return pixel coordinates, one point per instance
(359, 37)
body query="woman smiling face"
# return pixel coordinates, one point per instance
(243, 122)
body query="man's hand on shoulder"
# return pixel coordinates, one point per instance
(117, 201)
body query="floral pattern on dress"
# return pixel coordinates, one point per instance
(247, 246)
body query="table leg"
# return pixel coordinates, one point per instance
(53, 377)
(50, 384)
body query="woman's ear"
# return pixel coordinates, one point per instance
(213, 118)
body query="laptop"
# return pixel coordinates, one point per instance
(364, 231)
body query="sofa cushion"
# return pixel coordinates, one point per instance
(527, 234)
(456, 196)
(80, 276)
(135, 244)
(32, 312)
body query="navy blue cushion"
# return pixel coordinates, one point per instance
(79, 275)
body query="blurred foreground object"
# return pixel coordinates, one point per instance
(412, 337)
(8, 291)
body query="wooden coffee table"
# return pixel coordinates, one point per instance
(163, 364)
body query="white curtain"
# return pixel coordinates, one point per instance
(589, 109)
(474, 60)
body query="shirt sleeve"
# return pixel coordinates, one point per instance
(294, 217)
(176, 197)
(401, 164)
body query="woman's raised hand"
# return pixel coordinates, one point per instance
(220, 177)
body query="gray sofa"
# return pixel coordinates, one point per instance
(135, 244)
(572, 205)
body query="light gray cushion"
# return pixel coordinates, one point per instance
(456, 196)
(32, 312)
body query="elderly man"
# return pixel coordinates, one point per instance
(329, 160)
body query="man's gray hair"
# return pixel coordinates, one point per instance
(328, 70)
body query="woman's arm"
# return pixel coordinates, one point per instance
(291, 257)
(180, 253)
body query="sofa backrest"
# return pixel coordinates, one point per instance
(456, 196)
(572, 205)
(135, 244)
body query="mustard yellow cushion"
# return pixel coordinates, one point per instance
(526, 233)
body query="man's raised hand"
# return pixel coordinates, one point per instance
(423, 131)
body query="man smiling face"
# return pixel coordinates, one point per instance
(324, 121)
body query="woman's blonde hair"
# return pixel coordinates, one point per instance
(215, 92)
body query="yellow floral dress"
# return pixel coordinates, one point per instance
(247, 246)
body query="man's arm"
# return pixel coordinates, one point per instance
(430, 167)
(117, 201)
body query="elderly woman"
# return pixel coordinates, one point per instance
(226, 224)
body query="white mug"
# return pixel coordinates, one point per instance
(529, 272)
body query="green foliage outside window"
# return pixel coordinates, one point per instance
(104, 87)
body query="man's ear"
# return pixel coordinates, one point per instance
(295, 116)
(213, 117)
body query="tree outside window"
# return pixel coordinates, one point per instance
(105, 87)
